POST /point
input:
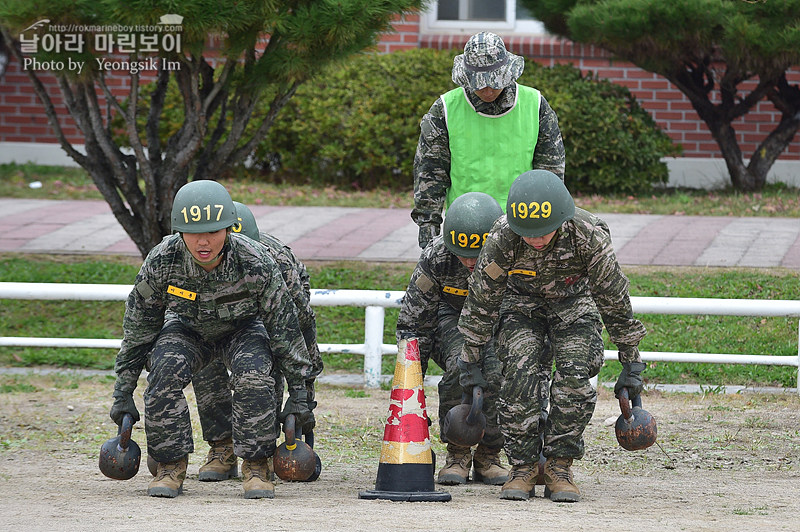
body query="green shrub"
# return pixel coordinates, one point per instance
(358, 124)
(612, 144)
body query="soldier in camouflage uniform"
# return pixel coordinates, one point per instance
(229, 301)
(488, 126)
(430, 311)
(548, 269)
(211, 383)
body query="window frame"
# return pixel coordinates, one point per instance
(430, 24)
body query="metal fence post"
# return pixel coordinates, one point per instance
(373, 343)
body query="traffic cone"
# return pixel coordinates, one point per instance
(405, 472)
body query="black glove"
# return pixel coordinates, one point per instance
(297, 404)
(470, 375)
(631, 378)
(123, 404)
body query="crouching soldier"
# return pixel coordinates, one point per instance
(227, 300)
(430, 311)
(211, 383)
(548, 270)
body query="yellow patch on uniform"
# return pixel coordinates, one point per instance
(493, 270)
(455, 291)
(180, 292)
(522, 272)
(424, 283)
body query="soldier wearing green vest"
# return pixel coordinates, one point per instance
(480, 136)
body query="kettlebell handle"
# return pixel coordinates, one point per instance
(125, 430)
(477, 405)
(625, 404)
(289, 430)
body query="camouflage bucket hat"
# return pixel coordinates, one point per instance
(486, 63)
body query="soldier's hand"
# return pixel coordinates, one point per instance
(297, 404)
(123, 404)
(631, 378)
(469, 376)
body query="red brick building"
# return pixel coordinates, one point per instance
(26, 135)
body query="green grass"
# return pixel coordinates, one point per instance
(704, 334)
(776, 200)
(74, 183)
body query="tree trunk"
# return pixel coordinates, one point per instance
(697, 81)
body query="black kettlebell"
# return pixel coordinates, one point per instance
(465, 424)
(120, 456)
(294, 460)
(635, 428)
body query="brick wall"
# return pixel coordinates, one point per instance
(22, 115)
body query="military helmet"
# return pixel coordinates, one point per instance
(538, 203)
(247, 222)
(486, 63)
(202, 206)
(468, 221)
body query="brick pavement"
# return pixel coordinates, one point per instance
(337, 233)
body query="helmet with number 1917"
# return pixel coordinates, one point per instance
(469, 218)
(202, 206)
(538, 203)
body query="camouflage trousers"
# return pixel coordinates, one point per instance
(446, 350)
(577, 349)
(214, 402)
(177, 355)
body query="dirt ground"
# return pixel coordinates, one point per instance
(724, 462)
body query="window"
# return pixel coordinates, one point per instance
(468, 16)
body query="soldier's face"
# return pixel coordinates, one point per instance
(468, 263)
(206, 246)
(539, 242)
(488, 94)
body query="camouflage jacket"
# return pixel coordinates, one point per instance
(246, 285)
(298, 282)
(438, 284)
(432, 159)
(576, 274)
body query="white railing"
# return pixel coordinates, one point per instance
(376, 301)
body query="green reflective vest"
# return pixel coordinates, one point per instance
(488, 152)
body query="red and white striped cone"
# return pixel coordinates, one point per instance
(405, 472)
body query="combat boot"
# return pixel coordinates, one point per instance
(457, 465)
(521, 483)
(487, 466)
(169, 477)
(559, 485)
(221, 463)
(256, 479)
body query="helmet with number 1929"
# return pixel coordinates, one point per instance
(202, 206)
(538, 203)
